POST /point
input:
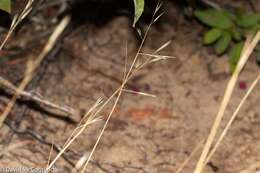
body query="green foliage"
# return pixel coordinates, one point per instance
(5, 5)
(214, 18)
(228, 29)
(139, 8)
(212, 35)
(223, 43)
(234, 55)
(248, 20)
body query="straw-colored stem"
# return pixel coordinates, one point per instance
(228, 92)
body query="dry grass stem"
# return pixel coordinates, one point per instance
(228, 92)
(224, 132)
(17, 20)
(120, 89)
(32, 66)
(139, 93)
(166, 44)
(188, 159)
(117, 93)
(76, 132)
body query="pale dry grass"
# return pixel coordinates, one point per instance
(32, 65)
(93, 113)
(136, 65)
(206, 153)
(18, 18)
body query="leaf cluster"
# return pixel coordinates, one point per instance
(227, 29)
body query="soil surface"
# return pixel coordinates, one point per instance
(145, 134)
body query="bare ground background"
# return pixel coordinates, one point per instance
(145, 135)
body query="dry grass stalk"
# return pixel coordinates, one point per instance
(224, 132)
(75, 134)
(133, 69)
(32, 65)
(17, 20)
(129, 74)
(248, 49)
(188, 159)
(139, 93)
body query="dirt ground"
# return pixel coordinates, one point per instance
(145, 134)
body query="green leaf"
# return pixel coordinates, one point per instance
(5, 5)
(234, 55)
(223, 43)
(214, 18)
(228, 13)
(248, 20)
(139, 8)
(212, 35)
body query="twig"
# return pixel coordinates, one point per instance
(43, 141)
(32, 65)
(11, 89)
(39, 138)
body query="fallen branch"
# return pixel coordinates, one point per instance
(10, 89)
